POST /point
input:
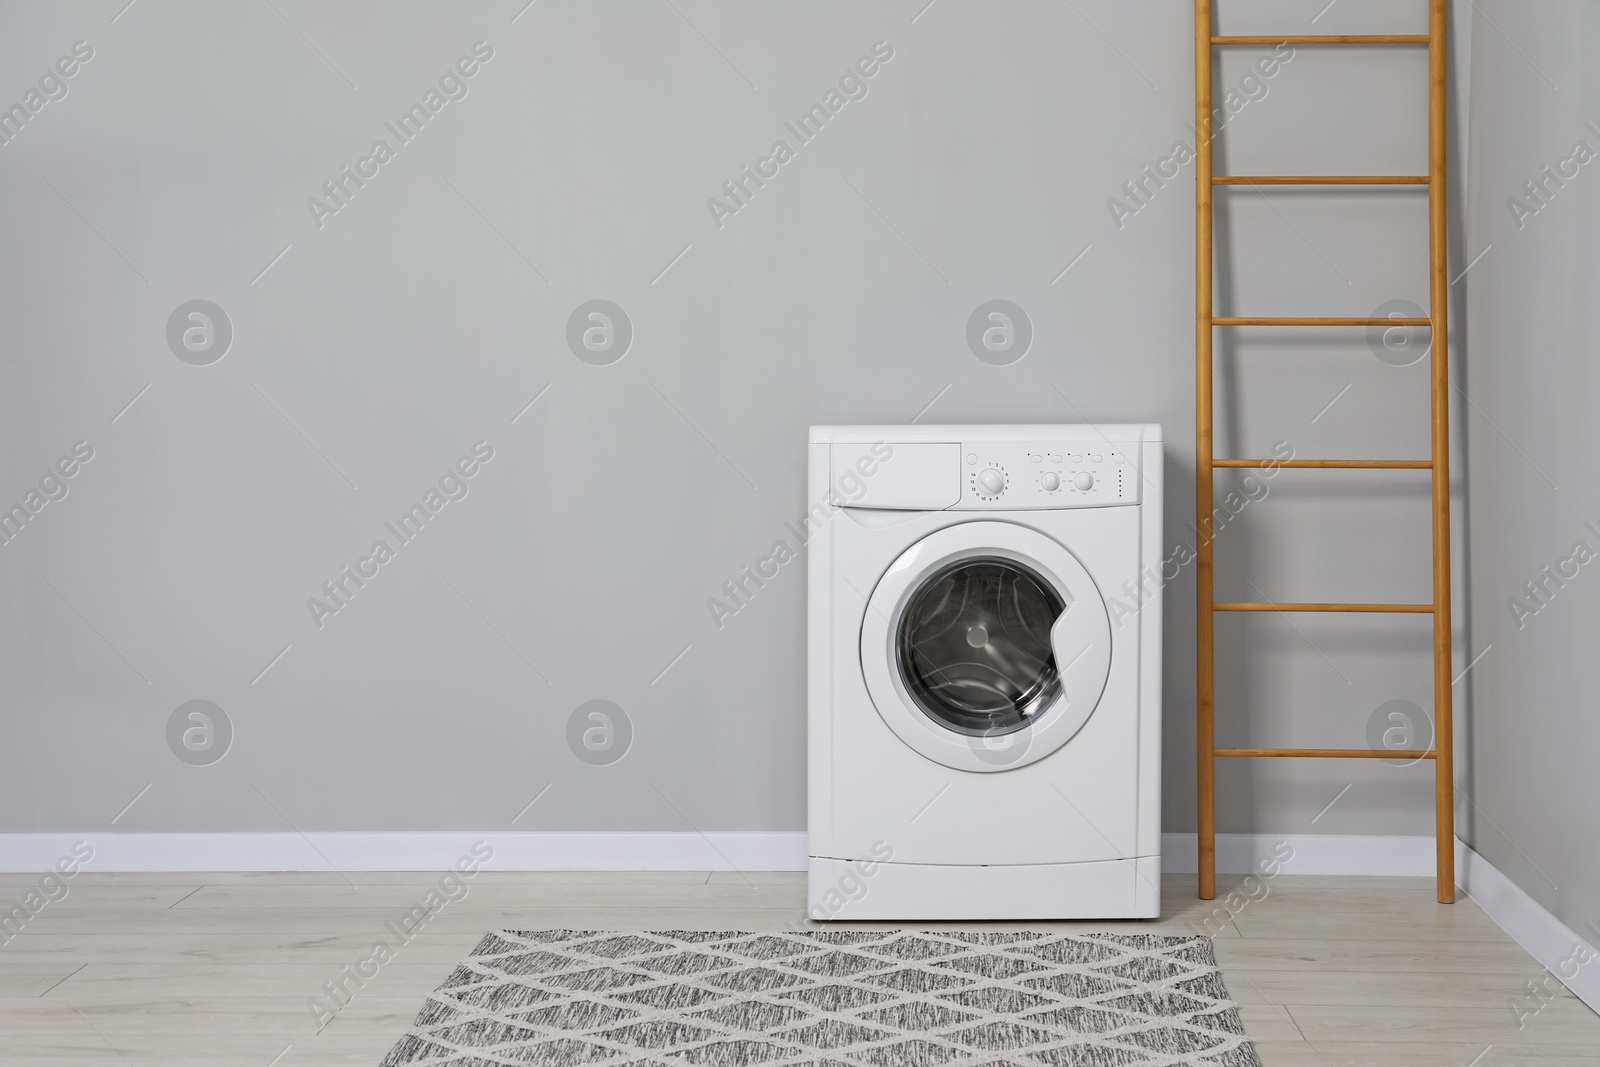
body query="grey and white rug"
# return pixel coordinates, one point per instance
(829, 998)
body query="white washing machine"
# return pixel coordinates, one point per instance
(985, 672)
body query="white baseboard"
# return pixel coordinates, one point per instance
(775, 851)
(1322, 854)
(752, 851)
(1545, 937)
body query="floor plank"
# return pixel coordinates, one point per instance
(1489, 1021)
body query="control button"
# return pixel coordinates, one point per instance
(1076, 457)
(1084, 481)
(991, 481)
(1119, 458)
(972, 458)
(1034, 457)
(1097, 457)
(1055, 457)
(1050, 481)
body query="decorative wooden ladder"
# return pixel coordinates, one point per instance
(1205, 322)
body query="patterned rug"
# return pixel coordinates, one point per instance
(829, 998)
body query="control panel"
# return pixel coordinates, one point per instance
(1020, 476)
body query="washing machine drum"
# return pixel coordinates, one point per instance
(986, 646)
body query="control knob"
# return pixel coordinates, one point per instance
(1084, 481)
(1050, 481)
(991, 481)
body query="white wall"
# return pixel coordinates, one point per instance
(428, 312)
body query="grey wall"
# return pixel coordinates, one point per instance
(429, 311)
(1531, 373)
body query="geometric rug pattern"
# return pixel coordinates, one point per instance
(829, 998)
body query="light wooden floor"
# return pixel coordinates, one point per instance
(152, 970)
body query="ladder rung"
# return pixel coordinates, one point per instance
(1331, 753)
(1330, 464)
(1252, 605)
(1319, 179)
(1324, 38)
(1257, 320)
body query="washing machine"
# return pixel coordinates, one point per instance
(984, 675)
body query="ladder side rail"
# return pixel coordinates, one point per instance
(1205, 591)
(1438, 307)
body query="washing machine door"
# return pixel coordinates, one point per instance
(986, 646)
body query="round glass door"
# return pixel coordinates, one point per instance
(973, 646)
(985, 646)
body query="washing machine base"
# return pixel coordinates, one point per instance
(863, 889)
